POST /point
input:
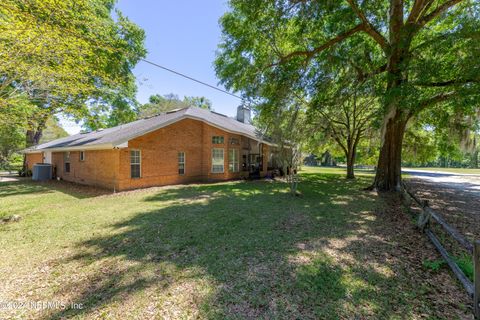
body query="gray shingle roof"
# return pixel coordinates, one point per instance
(118, 136)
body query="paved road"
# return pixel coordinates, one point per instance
(461, 181)
(8, 178)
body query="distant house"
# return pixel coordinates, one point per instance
(310, 160)
(180, 146)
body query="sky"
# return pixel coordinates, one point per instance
(182, 35)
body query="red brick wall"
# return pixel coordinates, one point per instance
(159, 155)
(33, 158)
(159, 158)
(98, 169)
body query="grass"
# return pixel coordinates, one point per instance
(450, 170)
(234, 250)
(464, 262)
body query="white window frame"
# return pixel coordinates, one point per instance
(82, 156)
(139, 163)
(234, 160)
(223, 160)
(181, 162)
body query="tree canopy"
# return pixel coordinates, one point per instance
(64, 56)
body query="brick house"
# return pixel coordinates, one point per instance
(180, 146)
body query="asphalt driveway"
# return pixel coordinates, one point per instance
(464, 182)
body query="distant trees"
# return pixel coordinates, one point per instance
(284, 122)
(158, 104)
(446, 145)
(345, 110)
(199, 102)
(346, 123)
(53, 130)
(12, 139)
(419, 146)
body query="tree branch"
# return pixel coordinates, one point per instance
(433, 100)
(417, 10)
(446, 83)
(310, 53)
(438, 11)
(369, 28)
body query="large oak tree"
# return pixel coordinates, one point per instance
(424, 52)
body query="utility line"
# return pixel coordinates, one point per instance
(190, 78)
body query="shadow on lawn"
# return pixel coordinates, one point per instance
(25, 187)
(261, 252)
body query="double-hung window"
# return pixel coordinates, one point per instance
(181, 163)
(233, 160)
(66, 161)
(217, 160)
(135, 163)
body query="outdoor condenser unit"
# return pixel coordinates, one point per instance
(42, 171)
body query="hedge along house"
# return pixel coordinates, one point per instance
(180, 146)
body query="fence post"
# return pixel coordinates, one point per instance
(476, 279)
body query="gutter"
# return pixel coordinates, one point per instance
(72, 148)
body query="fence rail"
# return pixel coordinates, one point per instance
(424, 220)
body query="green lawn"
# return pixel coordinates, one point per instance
(235, 250)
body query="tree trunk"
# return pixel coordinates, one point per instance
(350, 164)
(388, 176)
(33, 136)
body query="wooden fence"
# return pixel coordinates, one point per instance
(425, 219)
